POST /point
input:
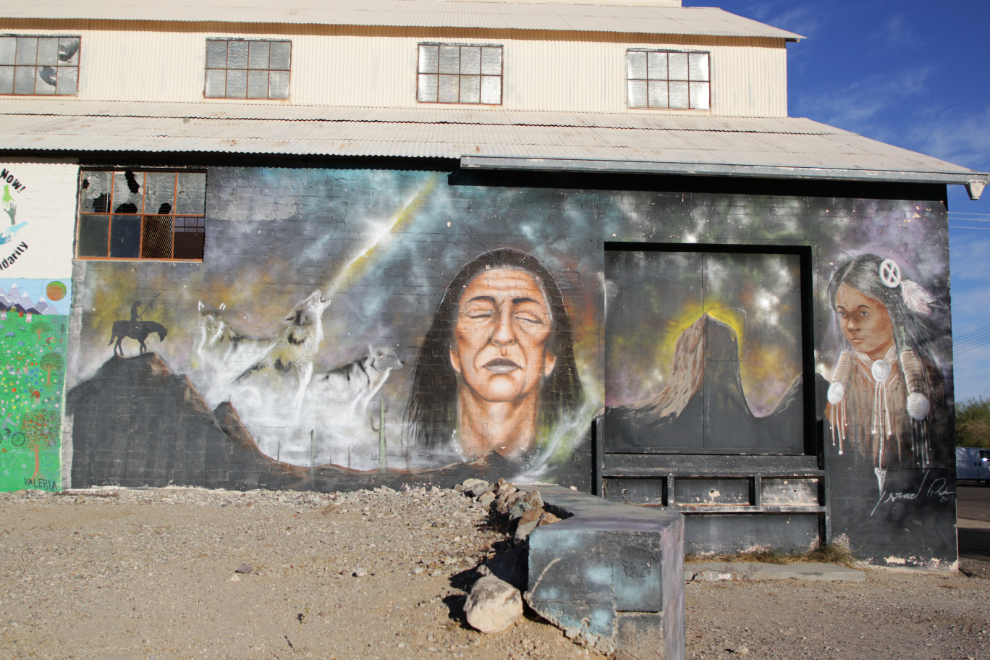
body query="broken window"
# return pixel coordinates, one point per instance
(134, 214)
(39, 65)
(247, 69)
(668, 80)
(459, 74)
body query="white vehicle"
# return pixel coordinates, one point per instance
(973, 464)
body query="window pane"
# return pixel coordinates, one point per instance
(189, 244)
(658, 66)
(24, 80)
(471, 60)
(698, 66)
(68, 80)
(68, 51)
(278, 82)
(94, 230)
(678, 63)
(258, 55)
(156, 241)
(192, 193)
(94, 195)
(470, 89)
(237, 54)
(6, 80)
(427, 91)
(700, 96)
(125, 236)
(637, 65)
(280, 54)
(637, 93)
(216, 83)
(448, 89)
(48, 51)
(127, 192)
(491, 90)
(658, 93)
(450, 60)
(429, 59)
(27, 50)
(159, 194)
(491, 61)
(8, 46)
(216, 54)
(257, 84)
(45, 84)
(236, 84)
(679, 95)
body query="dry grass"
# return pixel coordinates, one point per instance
(829, 554)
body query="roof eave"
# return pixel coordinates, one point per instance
(719, 169)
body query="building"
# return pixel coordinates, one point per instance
(343, 244)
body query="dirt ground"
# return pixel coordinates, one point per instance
(151, 574)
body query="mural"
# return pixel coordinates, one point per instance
(887, 395)
(397, 334)
(350, 328)
(703, 352)
(33, 334)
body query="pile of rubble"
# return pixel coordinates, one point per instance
(495, 601)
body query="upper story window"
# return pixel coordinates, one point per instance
(668, 79)
(459, 74)
(43, 66)
(130, 214)
(247, 69)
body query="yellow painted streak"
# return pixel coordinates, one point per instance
(360, 263)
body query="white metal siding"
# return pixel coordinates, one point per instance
(585, 74)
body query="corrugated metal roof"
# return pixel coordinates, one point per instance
(631, 138)
(423, 114)
(699, 21)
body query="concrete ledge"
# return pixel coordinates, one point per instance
(721, 571)
(611, 574)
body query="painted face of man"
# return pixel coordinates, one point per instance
(503, 323)
(864, 321)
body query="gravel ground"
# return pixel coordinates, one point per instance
(148, 574)
(151, 574)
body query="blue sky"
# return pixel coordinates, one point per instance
(914, 74)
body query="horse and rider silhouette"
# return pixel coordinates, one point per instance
(136, 328)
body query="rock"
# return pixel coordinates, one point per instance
(234, 578)
(360, 573)
(493, 605)
(244, 569)
(528, 502)
(505, 487)
(548, 519)
(476, 489)
(418, 570)
(522, 532)
(507, 499)
(486, 498)
(535, 500)
(509, 566)
(530, 516)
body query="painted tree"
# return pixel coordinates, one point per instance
(40, 326)
(41, 429)
(51, 362)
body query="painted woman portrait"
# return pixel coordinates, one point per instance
(887, 395)
(496, 371)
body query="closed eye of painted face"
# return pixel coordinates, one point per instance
(864, 322)
(503, 323)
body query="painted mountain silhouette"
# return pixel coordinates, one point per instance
(136, 424)
(703, 407)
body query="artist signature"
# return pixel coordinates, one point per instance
(936, 491)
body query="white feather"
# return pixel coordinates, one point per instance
(916, 298)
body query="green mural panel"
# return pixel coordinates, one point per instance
(33, 335)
